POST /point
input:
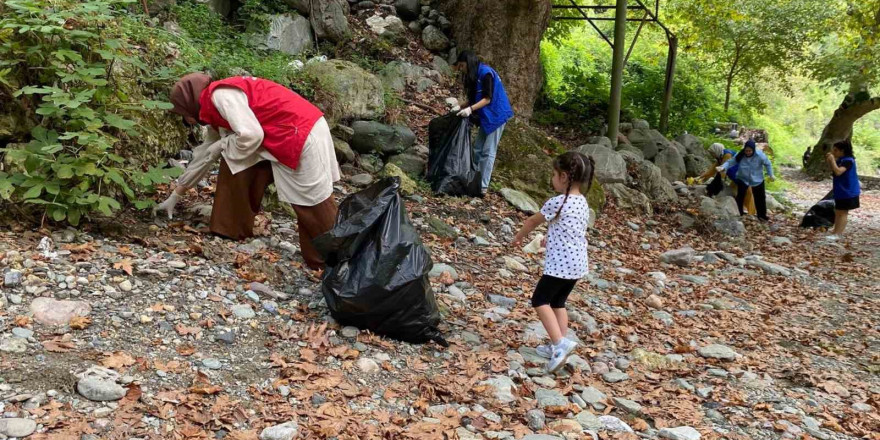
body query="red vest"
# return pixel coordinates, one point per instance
(286, 118)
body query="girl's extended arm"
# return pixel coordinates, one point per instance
(530, 224)
(832, 162)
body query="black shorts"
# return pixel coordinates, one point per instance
(846, 204)
(552, 291)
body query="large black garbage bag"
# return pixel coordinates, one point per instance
(451, 166)
(820, 215)
(376, 274)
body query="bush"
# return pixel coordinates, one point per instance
(70, 59)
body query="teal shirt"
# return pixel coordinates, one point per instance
(751, 169)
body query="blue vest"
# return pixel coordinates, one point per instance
(499, 110)
(731, 172)
(846, 185)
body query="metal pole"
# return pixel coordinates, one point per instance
(617, 70)
(670, 76)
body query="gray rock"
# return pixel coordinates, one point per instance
(301, 6)
(593, 396)
(344, 153)
(434, 39)
(627, 405)
(550, 398)
(640, 124)
(589, 421)
(503, 388)
(696, 279)
(614, 377)
(654, 185)
(520, 200)
(680, 433)
(679, 257)
(440, 268)
(361, 180)
(610, 166)
(649, 141)
(683, 383)
(227, 337)
(695, 166)
(243, 311)
(12, 278)
(21, 332)
(671, 164)
(456, 293)
(371, 163)
(408, 9)
(284, 431)
(663, 317)
(329, 20)
(611, 423)
(289, 33)
(12, 344)
(502, 301)
(862, 407)
(17, 427)
(717, 351)
(347, 91)
(536, 419)
(628, 198)
(211, 364)
(349, 332)
(705, 392)
(692, 145)
(541, 437)
(375, 137)
(731, 227)
(780, 241)
(410, 164)
(100, 389)
(769, 268)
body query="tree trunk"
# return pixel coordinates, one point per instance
(506, 34)
(839, 128)
(730, 75)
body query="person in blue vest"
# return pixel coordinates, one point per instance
(487, 100)
(845, 184)
(751, 164)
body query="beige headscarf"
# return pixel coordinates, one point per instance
(717, 150)
(186, 93)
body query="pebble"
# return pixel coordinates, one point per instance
(544, 381)
(368, 365)
(611, 423)
(633, 226)
(176, 264)
(349, 332)
(593, 396)
(125, 286)
(12, 278)
(717, 351)
(211, 364)
(17, 427)
(627, 405)
(11, 344)
(243, 311)
(862, 407)
(654, 301)
(622, 364)
(615, 376)
(503, 387)
(680, 433)
(536, 419)
(100, 390)
(284, 431)
(22, 332)
(226, 336)
(552, 399)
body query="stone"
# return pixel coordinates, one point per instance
(654, 301)
(769, 268)
(780, 241)
(551, 400)
(397, 75)
(410, 164)
(441, 66)
(502, 301)
(49, 311)
(503, 388)
(589, 421)
(536, 419)
(347, 91)
(627, 405)
(611, 423)
(376, 137)
(408, 9)
(243, 311)
(17, 427)
(440, 268)
(593, 396)
(862, 407)
(696, 279)
(100, 389)
(456, 293)
(284, 431)
(718, 351)
(566, 426)
(368, 365)
(21, 332)
(227, 337)
(649, 141)
(520, 200)
(512, 264)
(651, 182)
(671, 164)
(680, 433)
(628, 198)
(640, 124)
(407, 184)
(361, 180)
(390, 28)
(329, 20)
(680, 257)
(211, 364)
(349, 332)
(289, 33)
(434, 39)
(663, 317)
(614, 377)
(650, 360)
(12, 344)
(12, 278)
(610, 166)
(695, 166)
(125, 286)
(344, 153)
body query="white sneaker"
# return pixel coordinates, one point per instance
(545, 351)
(560, 355)
(832, 237)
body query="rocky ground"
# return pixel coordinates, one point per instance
(151, 329)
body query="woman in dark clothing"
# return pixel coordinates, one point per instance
(487, 100)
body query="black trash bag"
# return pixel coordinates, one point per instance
(820, 215)
(376, 274)
(451, 166)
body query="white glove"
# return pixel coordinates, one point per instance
(456, 108)
(168, 205)
(719, 169)
(465, 112)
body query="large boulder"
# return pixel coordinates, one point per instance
(629, 152)
(329, 20)
(628, 198)
(390, 28)
(301, 6)
(696, 165)
(692, 144)
(396, 75)
(375, 137)
(345, 91)
(411, 164)
(408, 9)
(344, 153)
(434, 39)
(600, 140)
(651, 182)
(289, 33)
(671, 164)
(510, 41)
(649, 141)
(610, 166)
(640, 124)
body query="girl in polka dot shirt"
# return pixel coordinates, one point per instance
(566, 261)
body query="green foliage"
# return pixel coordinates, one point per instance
(69, 56)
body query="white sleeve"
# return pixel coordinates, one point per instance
(247, 136)
(201, 164)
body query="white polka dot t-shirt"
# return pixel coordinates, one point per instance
(566, 237)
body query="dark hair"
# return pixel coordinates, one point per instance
(472, 66)
(845, 146)
(742, 153)
(579, 168)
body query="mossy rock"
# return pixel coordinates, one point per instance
(345, 92)
(407, 184)
(523, 163)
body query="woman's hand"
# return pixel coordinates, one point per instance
(465, 112)
(830, 158)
